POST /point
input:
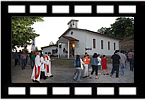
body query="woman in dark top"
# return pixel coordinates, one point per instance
(94, 65)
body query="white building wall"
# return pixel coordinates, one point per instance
(63, 45)
(98, 38)
(86, 41)
(79, 46)
(49, 49)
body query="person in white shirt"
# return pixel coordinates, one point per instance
(99, 64)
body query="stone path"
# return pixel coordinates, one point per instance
(65, 75)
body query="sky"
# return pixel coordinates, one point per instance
(53, 27)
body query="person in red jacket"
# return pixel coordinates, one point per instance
(104, 65)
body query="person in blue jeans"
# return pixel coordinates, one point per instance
(95, 65)
(131, 59)
(77, 64)
(123, 60)
(23, 58)
(116, 60)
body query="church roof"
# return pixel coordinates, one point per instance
(90, 32)
(70, 38)
(48, 46)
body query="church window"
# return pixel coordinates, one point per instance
(71, 33)
(101, 44)
(108, 45)
(94, 43)
(114, 47)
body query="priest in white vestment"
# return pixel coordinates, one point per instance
(37, 70)
(48, 65)
(43, 67)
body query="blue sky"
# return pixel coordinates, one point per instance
(53, 27)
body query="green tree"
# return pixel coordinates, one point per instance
(118, 28)
(106, 31)
(129, 31)
(22, 32)
(120, 25)
(102, 30)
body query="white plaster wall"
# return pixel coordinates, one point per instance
(63, 45)
(73, 26)
(49, 49)
(98, 38)
(80, 35)
(86, 41)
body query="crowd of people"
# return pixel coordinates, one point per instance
(40, 64)
(21, 58)
(42, 68)
(117, 59)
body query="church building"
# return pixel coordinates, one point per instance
(83, 40)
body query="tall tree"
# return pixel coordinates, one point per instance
(102, 30)
(22, 32)
(118, 28)
(120, 25)
(129, 31)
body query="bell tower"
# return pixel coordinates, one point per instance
(72, 23)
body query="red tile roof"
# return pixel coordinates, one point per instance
(70, 38)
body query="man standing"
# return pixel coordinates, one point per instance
(23, 60)
(16, 56)
(19, 57)
(131, 60)
(32, 58)
(26, 51)
(36, 70)
(48, 65)
(115, 60)
(123, 60)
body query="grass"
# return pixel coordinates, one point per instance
(68, 63)
(63, 63)
(109, 59)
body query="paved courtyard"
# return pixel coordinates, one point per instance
(65, 75)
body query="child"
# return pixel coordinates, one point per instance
(78, 63)
(99, 64)
(86, 61)
(104, 65)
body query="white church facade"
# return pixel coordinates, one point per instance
(83, 40)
